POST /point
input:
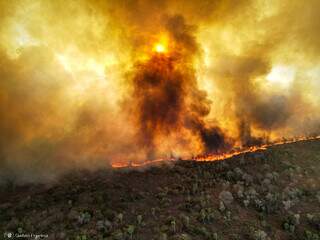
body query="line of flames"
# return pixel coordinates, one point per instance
(213, 157)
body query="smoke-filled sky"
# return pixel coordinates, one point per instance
(83, 85)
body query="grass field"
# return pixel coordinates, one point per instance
(272, 194)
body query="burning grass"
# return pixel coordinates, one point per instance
(216, 156)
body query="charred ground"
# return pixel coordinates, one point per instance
(272, 194)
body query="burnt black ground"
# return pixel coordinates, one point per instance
(275, 195)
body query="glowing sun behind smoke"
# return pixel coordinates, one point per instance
(160, 48)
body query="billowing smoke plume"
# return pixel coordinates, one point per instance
(166, 100)
(81, 86)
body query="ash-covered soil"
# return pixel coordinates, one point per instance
(273, 194)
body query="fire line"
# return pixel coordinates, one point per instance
(214, 157)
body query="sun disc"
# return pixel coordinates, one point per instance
(160, 48)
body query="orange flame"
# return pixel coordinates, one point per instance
(213, 157)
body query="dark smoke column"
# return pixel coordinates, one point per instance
(166, 98)
(158, 99)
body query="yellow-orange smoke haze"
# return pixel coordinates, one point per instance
(76, 91)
